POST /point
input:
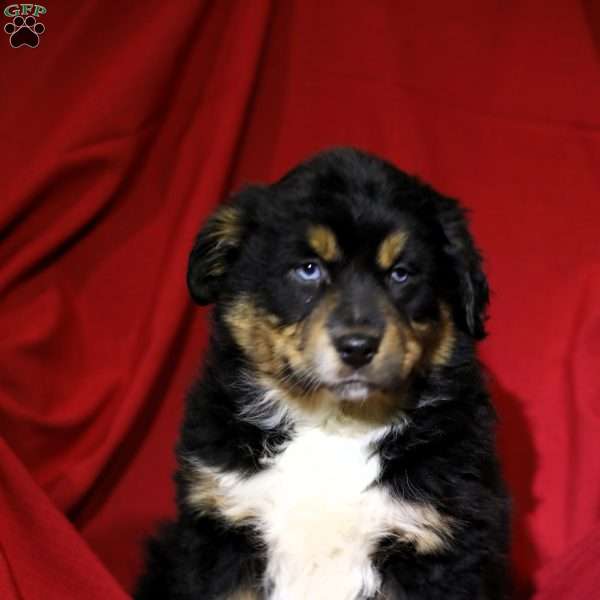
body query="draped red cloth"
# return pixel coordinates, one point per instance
(128, 123)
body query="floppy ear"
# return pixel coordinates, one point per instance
(466, 262)
(217, 246)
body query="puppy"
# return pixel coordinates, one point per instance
(339, 444)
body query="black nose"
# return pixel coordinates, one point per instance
(357, 349)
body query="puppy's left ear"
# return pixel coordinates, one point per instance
(217, 246)
(466, 262)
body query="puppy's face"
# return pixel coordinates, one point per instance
(343, 280)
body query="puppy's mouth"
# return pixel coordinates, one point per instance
(354, 389)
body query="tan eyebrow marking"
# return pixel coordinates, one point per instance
(390, 249)
(323, 241)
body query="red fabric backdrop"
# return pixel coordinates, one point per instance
(127, 124)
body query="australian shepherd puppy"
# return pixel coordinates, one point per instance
(339, 444)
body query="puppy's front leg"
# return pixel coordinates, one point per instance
(200, 558)
(443, 577)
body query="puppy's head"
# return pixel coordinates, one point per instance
(342, 280)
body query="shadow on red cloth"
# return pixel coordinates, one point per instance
(519, 467)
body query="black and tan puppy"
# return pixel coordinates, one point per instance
(340, 442)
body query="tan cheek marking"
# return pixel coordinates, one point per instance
(413, 351)
(392, 345)
(404, 341)
(437, 340)
(323, 241)
(249, 330)
(262, 337)
(420, 342)
(390, 249)
(446, 339)
(286, 342)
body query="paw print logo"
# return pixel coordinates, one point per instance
(24, 32)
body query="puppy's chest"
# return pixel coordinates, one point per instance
(319, 510)
(321, 483)
(320, 515)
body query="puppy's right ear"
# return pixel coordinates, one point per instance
(217, 246)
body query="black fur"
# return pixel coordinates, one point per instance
(445, 456)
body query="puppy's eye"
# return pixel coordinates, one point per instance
(310, 271)
(399, 274)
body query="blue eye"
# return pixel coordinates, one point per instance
(399, 275)
(309, 271)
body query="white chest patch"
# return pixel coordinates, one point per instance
(320, 516)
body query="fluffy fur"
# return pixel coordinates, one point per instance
(339, 444)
